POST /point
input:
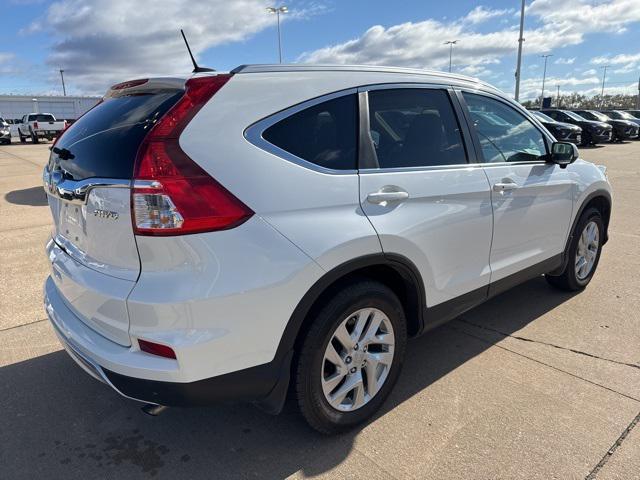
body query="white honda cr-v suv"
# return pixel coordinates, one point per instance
(285, 229)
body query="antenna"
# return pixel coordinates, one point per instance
(196, 68)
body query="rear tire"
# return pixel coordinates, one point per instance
(34, 138)
(368, 317)
(583, 253)
(23, 139)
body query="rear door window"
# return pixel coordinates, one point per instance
(105, 140)
(414, 127)
(324, 134)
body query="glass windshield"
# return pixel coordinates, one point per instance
(624, 115)
(543, 117)
(574, 115)
(599, 116)
(42, 117)
(104, 141)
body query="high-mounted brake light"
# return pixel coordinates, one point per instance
(172, 195)
(129, 84)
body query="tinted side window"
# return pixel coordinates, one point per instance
(505, 135)
(414, 127)
(324, 134)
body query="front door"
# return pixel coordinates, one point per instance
(532, 199)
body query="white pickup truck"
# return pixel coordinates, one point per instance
(40, 125)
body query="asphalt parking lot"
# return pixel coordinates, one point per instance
(534, 384)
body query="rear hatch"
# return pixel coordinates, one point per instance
(88, 177)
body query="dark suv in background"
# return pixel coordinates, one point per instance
(564, 132)
(622, 115)
(592, 131)
(622, 129)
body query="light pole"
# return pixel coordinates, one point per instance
(64, 90)
(520, 40)
(451, 43)
(604, 76)
(558, 97)
(544, 74)
(278, 11)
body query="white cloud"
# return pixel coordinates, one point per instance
(626, 63)
(565, 61)
(623, 58)
(532, 87)
(557, 24)
(481, 14)
(103, 41)
(7, 62)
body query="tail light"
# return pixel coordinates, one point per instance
(172, 195)
(35, 125)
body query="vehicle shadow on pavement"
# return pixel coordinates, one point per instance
(34, 197)
(57, 422)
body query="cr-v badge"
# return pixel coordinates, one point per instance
(106, 214)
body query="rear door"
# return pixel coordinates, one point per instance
(93, 251)
(532, 199)
(426, 202)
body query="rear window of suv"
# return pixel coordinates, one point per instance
(104, 141)
(324, 134)
(42, 118)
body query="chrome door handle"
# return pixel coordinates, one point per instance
(504, 186)
(382, 197)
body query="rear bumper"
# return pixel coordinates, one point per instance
(116, 366)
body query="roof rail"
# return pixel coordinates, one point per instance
(301, 67)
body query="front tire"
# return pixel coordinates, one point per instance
(351, 357)
(583, 253)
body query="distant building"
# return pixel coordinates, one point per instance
(67, 108)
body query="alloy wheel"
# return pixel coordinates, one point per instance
(587, 250)
(357, 359)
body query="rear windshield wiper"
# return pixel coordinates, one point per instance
(63, 153)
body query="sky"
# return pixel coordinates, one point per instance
(102, 42)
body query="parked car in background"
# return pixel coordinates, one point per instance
(397, 200)
(593, 132)
(13, 126)
(622, 129)
(5, 131)
(622, 115)
(40, 125)
(564, 132)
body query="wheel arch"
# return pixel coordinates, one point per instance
(395, 271)
(601, 200)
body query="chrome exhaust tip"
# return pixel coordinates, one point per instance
(153, 409)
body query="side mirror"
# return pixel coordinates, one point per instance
(563, 153)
